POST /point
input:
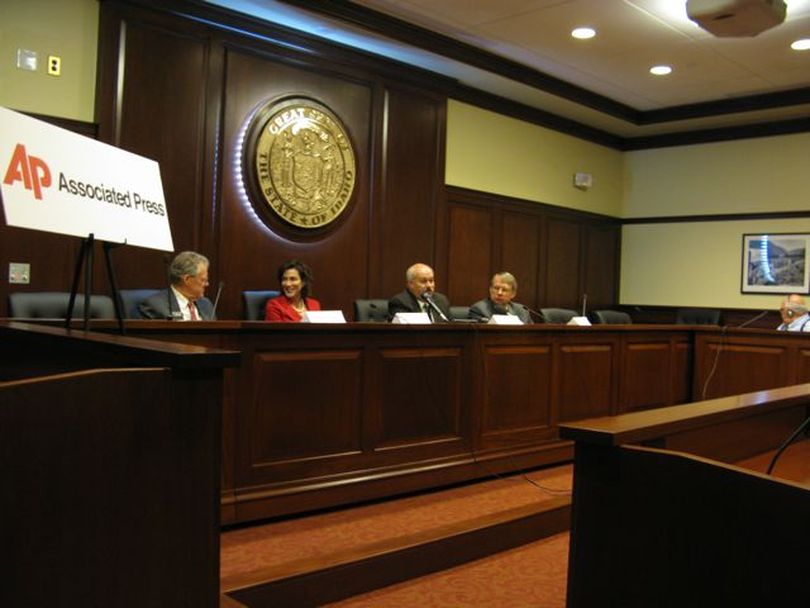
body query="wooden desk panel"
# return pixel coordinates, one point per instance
(318, 416)
(746, 360)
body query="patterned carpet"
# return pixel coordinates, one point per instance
(532, 575)
(276, 543)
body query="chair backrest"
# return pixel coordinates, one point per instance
(373, 310)
(612, 317)
(557, 315)
(460, 313)
(54, 305)
(697, 316)
(130, 298)
(254, 302)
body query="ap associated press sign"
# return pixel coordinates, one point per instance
(56, 181)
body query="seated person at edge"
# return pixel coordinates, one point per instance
(419, 291)
(183, 300)
(502, 290)
(794, 314)
(295, 280)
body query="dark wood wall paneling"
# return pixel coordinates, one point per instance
(556, 256)
(179, 91)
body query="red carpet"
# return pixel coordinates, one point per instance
(273, 544)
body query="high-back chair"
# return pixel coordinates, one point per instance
(371, 310)
(54, 305)
(130, 298)
(611, 317)
(557, 315)
(254, 302)
(697, 316)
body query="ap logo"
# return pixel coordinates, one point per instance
(32, 171)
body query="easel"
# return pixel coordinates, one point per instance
(85, 258)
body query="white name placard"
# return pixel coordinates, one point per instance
(323, 316)
(581, 321)
(57, 181)
(411, 318)
(505, 320)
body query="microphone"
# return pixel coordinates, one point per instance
(584, 303)
(500, 310)
(428, 297)
(531, 311)
(216, 300)
(756, 318)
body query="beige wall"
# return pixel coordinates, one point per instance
(494, 153)
(699, 263)
(67, 28)
(695, 263)
(743, 176)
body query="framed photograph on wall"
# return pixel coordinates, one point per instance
(775, 263)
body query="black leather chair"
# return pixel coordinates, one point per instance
(557, 315)
(254, 302)
(460, 313)
(54, 305)
(611, 317)
(374, 310)
(697, 316)
(130, 298)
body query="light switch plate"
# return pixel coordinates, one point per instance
(27, 60)
(19, 273)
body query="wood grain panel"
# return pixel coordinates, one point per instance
(249, 232)
(517, 388)
(562, 265)
(420, 392)
(520, 254)
(408, 205)
(307, 405)
(586, 382)
(744, 368)
(601, 265)
(470, 254)
(803, 366)
(162, 110)
(646, 375)
(683, 365)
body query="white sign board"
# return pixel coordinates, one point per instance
(411, 318)
(323, 316)
(505, 320)
(57, 181)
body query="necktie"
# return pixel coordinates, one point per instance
(193, 311)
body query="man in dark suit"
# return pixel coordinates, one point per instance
(502, 290)
(419, 294)
(184, 299)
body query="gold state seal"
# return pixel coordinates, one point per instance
(305, 163)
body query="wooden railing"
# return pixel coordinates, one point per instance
(668, 526)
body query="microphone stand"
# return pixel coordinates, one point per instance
(216, 300)
(427, 297)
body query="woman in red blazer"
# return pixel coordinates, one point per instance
(295, 279)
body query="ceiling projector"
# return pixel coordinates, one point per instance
(736, 18)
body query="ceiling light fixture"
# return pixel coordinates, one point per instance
(802, 44)
(583, 33)
(660, 70)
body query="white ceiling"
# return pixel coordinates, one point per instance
(632, 35)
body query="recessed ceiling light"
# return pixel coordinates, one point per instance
(801, 45)
(660, 70)
(583, 33)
